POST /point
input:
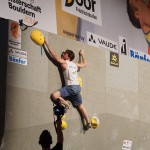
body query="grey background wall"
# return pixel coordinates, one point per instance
(118, 96)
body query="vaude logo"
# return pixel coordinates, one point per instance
(107, 44)
(88, 4)
(91, 39)
(99, 41)
(17, 53)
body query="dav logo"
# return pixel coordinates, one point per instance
(99, 41)
(89, 10)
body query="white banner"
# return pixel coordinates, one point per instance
(127, 145)
(101, 42)
(31, 11)
(89, 10)
(17, 56)
(139, 55)
(14, 38)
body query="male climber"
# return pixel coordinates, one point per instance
(72, 88)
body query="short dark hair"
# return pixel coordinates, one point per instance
(45, 139)
(70, 53)
(131, 13)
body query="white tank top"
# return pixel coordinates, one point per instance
(70, 74)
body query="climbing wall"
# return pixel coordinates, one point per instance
(118, 96)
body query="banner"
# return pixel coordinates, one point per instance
(139, 55)
(14, 38)
(89, 10)
(112, 22)
(117, 25)
(17, 56)
(30, 11)
(99, 41)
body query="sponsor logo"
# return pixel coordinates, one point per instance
(17, 56)
(77, 36)
(14, 39)
(139, 55)
(91, 39)
(17, 60)
(123, 45)
(99, 41)
(17, 53)
(14, 29)
(88, 4)
(89, 10)
(114, 59)
(127, 145)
